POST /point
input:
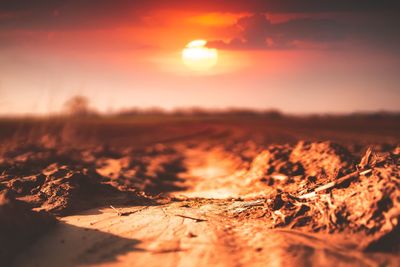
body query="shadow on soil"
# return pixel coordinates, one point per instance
(68, 245)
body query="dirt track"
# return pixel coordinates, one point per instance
(218, 195)
(160, 236)
(201, 231)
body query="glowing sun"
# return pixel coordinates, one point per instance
(199, 57)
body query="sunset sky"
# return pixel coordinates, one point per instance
(311, 56)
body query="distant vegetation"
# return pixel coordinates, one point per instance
(79, 106)
(199, 112)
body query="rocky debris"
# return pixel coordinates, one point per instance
(19, 226)
(369, 204)
(372, 203)
(26, 185)
(331, 193)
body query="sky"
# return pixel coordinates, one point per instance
(301, 57)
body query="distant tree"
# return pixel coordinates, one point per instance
(78, 106)
(273, 114)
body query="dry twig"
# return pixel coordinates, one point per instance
(335, 183)
(192, 218)
(126, 213)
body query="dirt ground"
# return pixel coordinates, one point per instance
(200, 192)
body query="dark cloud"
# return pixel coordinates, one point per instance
(40, 14)
(257, 32)
(379, 24)
(210, 5)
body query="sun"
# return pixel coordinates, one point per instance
(198, 57)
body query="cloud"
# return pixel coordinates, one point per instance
(45, 14)
(258, 32)
(311, 6)
(369, 21)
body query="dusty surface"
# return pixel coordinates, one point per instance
(218, 196)
(180, 235)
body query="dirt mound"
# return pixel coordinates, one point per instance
(23, 162)
(275, 160)
(298, 168)
(66, 190)
(62, 190)
(322, 159)
(318, 187)
(152, 170)
(19, 225)
(69, 179)
(364, 201)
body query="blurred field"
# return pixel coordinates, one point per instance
(142, 130)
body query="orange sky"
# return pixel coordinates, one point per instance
(299, 59)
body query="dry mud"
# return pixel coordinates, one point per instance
(200, 203)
